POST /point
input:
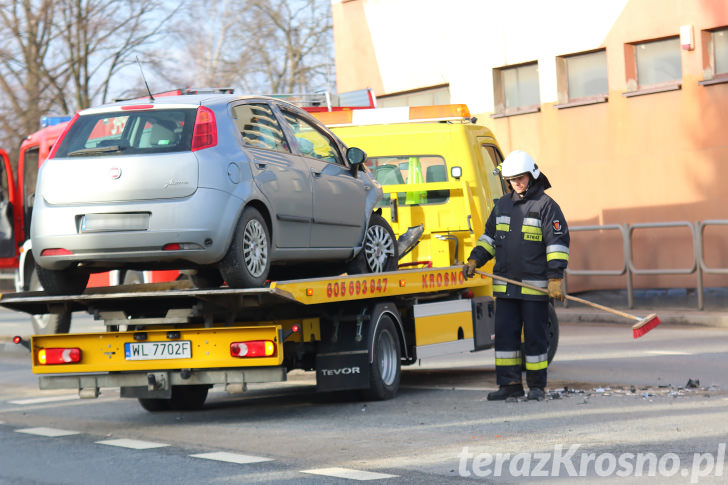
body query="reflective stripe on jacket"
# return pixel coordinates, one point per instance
(529, 239)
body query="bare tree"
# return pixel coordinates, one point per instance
(58, 56)
(263, 46)
(206, 55)
(294, 45)
(101, 37)
(26, 32)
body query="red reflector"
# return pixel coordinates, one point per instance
(55, 252)
(17, 340)
(253, 348)
(205, 133)
(172, 247)
(137, 106)
(59, 356)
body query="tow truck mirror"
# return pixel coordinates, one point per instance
(456, 172)
(356, 156)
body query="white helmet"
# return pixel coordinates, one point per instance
(518, 163)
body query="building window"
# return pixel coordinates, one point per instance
(582, 78)
(720, 51)
(715, 56)
(653, 66)
(516, 89)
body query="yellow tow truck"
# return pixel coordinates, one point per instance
(167, 344)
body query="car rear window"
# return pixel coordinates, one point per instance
(129, 133)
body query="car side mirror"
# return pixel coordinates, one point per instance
(356, 156)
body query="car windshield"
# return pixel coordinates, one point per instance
(411, 169)
(129, 133)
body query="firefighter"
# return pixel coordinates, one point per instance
(527, 234)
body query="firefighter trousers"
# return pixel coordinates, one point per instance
(513, 316)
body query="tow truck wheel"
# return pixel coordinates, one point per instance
(46, 323)
(247, 262)
(385, 369)
(69, 281)
(379, 253)
(184, 398)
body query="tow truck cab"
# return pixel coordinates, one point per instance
(439, 168)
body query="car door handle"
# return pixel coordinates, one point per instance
(315, 173)
(261, 165)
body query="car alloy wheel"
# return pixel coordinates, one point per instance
(255, 248)
(378, 247)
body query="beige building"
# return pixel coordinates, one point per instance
(623, 103)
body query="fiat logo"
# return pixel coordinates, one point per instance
(115, 173)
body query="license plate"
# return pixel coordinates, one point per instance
(178, 349)
(131, 221)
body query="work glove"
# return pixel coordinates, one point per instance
(556, 289)
(469, 268)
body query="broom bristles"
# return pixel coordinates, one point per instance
(645, 325)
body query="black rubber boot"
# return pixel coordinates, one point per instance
(536, 394)
(515, 390)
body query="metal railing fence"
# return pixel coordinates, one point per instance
(698, 266)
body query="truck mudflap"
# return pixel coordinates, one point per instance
(145, 351)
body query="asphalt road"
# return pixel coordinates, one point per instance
(625, 416)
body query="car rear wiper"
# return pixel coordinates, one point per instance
(96, 150)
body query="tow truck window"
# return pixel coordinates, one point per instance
(129, 133)
(411, 169)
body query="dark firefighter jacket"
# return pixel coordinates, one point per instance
(529, 239)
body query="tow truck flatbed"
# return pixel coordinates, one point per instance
(178, 302)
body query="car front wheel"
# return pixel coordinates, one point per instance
(247, 262)
(379, 253)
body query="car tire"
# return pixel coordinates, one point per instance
(247, 262)
(62, 282)
(47, 323)
(379, 253)
(206, 278)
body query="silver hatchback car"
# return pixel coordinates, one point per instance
(220, 184)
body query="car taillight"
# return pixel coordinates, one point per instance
(54, 356)
(55, 252)
(253, 348)
(58, 141)
(205, 133)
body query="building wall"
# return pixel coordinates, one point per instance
(658, 157)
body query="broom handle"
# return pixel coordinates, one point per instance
(568, 297)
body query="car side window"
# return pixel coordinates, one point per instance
(312, 142)
(259, 128)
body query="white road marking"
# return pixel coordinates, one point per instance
(133, 444)
(231, 457)
(50, 432)
(668, 352)
(348, 473)
(40, 400)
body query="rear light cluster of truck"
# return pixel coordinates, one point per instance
(253, 348)
(54, 356)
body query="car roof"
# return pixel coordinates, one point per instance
(184, 101)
